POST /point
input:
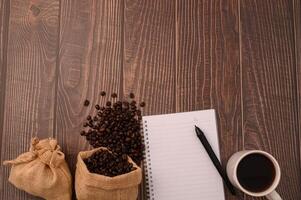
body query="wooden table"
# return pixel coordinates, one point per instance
(240, 57)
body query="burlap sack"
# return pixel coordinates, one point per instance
(42, 171)
(91, 186)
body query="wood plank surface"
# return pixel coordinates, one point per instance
(240, 57)
(297, 25)
(208, 70)
(270, 119)
(30, 81)
(149, 55)
(89, 62)
(4, 17)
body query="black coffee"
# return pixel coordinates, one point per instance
(256, 172)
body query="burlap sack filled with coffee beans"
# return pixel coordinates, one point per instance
(42, 171)
(90, 186)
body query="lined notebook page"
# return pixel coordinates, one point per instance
(179, 167)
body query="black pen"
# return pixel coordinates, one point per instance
(214, 159)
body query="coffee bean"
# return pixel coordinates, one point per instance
(97, 107)
(108, 103)
(142, 104)
(132, 96)
(89, 117)
(87, 102)
(114, 95)
(133, 103)
(103, 93)
(82, 133)
(95, 118)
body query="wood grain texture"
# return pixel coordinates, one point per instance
(89, 62)
(240, 57)
(270, 119)
(208, 70)
(4, 19)
(149, 55)
(30, 80)
(297, 25)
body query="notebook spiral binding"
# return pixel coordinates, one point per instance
(147, 165)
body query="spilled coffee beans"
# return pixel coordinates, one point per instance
(116, 126)
(108, 164)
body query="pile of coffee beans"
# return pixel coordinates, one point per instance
(117, 126)
(108, 164)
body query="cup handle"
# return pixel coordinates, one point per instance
(274, 196)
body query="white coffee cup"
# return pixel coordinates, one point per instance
(233, 163)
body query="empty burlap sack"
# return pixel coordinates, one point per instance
(91, 186)
(42, 171)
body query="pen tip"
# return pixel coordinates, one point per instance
(197, 129)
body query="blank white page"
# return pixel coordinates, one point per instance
(179, 167)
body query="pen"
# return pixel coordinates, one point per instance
(214, 159)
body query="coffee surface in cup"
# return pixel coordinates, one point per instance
(256, 172)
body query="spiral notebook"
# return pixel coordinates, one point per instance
(177, 166)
